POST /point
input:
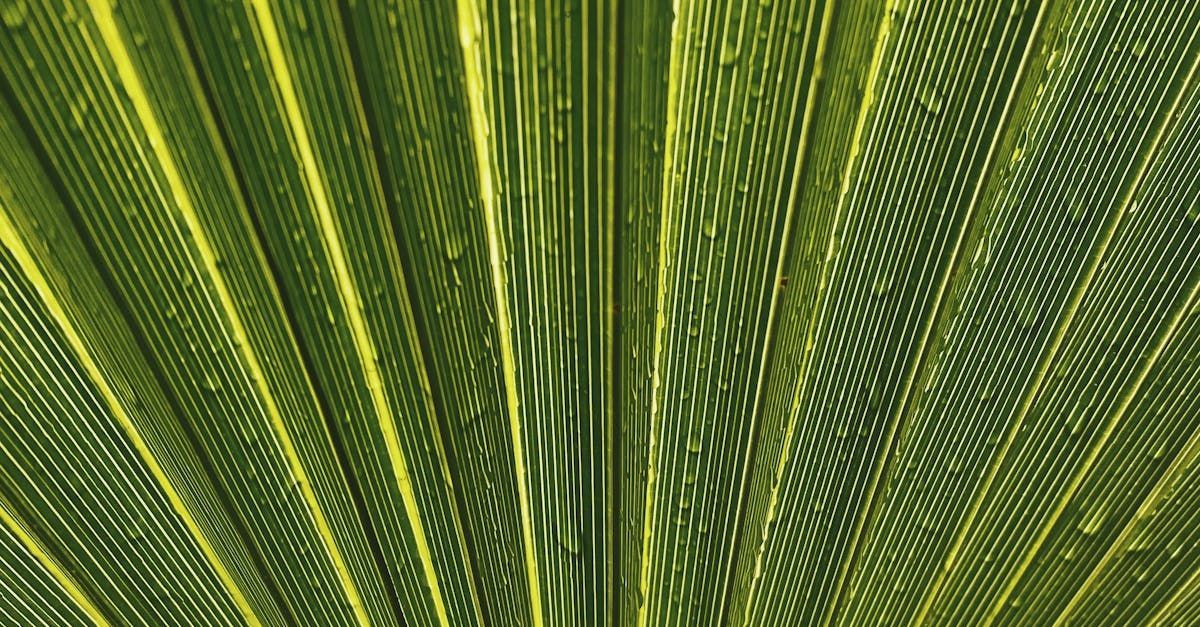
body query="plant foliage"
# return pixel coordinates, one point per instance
(582, 312)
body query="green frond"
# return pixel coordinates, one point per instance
(584, 312)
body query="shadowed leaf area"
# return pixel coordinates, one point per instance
(599, 312)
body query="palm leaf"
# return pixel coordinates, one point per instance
(540, 313)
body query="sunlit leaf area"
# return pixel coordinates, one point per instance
(623, 313)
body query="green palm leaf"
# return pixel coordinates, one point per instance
(596, 312)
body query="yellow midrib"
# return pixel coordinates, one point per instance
(13, 242)
(102, 12)
(468, 24)
(670, 132)
(868, 99)
(10, 240)
(363, 342)
(943, 284)
(56, 572)
(801, 152)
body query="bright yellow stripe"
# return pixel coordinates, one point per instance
(944, 282)
(102, 11)
(423, 375)
(350, 300)
(868, 99)
(469, 27)
(60, 576)
(13, 242)
(801, 157)
(670, 132)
